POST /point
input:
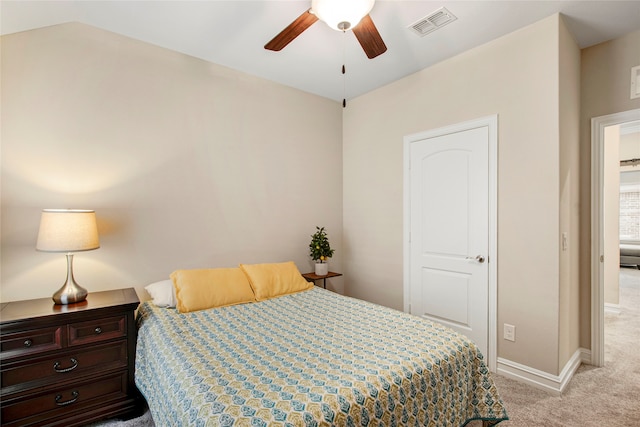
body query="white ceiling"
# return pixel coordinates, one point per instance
(233, 33)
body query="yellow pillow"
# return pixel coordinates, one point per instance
(273, 280)
(207, 288)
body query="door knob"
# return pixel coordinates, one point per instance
(479, 258)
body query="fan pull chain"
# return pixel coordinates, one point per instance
(344, 99)
(344, 70)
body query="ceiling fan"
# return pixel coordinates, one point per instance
(341, 15)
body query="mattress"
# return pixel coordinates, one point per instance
(314, 358)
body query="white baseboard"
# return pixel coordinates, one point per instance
(540, 379)
(612, 308)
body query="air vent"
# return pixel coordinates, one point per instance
(432, 22)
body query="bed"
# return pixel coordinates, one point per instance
(309, 358)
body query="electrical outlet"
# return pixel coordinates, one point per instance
(509, 332)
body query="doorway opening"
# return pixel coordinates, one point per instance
(603, 241)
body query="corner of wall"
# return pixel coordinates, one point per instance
(569, 192)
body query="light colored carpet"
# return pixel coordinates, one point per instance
(607, 396)
(144, 420)
(596, 397)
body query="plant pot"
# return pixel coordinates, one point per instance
(322, 268)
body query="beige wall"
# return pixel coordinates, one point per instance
(604, 89)
(611, 210)
(187, 163)
(569, 122)
(517, 77)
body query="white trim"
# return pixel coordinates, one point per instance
(491, 122)
(555, 384)
(598, 124)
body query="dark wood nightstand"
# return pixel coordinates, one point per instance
(68, 365)
(312, 277)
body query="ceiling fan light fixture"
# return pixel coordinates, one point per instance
(341, 15)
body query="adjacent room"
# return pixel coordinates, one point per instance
(436, 180)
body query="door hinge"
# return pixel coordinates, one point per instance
(601, 258)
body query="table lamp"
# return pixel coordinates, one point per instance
(68, 230)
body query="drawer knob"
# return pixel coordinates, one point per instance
(74, 397)
(28, 342)
(74, 365)
(98, 330)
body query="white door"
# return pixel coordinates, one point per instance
(449, 233)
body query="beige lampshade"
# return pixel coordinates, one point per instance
(67, 230)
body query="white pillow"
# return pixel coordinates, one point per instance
(162, 293)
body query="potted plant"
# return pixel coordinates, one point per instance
(320, 251)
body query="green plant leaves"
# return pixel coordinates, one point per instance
(319, 247)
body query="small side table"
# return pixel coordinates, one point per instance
(312, 277)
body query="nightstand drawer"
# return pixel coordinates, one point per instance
(31, 342)
(65, 366)
(84, 353)
(55, 403)
(97, 330)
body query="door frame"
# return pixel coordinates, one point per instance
(491, 122)
(598, 124)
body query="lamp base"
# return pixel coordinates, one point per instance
(70, 292)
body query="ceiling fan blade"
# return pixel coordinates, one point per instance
(292, 31)
(369, 37)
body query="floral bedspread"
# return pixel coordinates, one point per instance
(314, 358)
